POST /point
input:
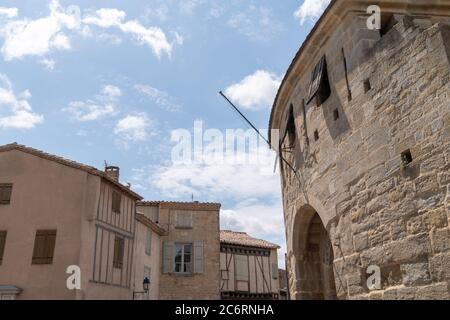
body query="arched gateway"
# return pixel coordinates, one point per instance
(314, 257)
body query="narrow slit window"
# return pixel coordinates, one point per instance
(319, 86)
(335, 114)
(316, 135)
(367, 85)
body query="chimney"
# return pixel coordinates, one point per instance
(112, 172)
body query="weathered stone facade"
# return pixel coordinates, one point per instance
(201, 233)
(373, 160)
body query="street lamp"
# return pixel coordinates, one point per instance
(145, 286)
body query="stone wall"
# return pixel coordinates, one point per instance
(377, 209)
(205, 228)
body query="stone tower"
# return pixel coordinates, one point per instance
(364, 120)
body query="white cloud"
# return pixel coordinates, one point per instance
(133, 128)
(154, 37)
(256, 91)
(104, 104)
(260, 220)
(256, 22)
(239, 174)
(160, 98)
(49, 64)
(37, 37)
(106, 18)
(9, 12)
(311, 10)
(16, 112)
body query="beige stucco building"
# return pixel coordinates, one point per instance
(190, 248)
(57, 213)
(248, 267)
(364, 120)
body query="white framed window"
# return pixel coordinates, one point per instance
(183, 258)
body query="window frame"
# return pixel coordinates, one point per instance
(119, 252)
(183, 263)
(41, 250)
(183, 225)
(148, 242)
(4, 186)
(116, 202)
(3, 236)
(246, 267)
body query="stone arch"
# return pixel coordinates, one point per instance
(313, 252)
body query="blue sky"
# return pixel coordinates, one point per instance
(111, 80)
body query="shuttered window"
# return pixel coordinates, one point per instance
(119, 245)
(198, 257)
(168, 253)
(116, 200)
(5, 193)
(319, 86)
(44, 247)
(2, 245)
(274, 270)
(241, 267)
(183, 220)
(148, 242)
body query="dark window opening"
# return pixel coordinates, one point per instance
(2, 245)
(116, 201)
(5, 193)
(406, 157)
(316, 135)
(367, 85)
(44, 247)
(387, 23)
(291, 127)
(335, 114)
(119, 245)
(320, 85)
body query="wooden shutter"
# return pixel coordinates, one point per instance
(2, 245)
(198, 257)
(319, 86)
(148, 242)
(184, 220)
(119, 244)
(44, 247)
(5, 193)
(274, 270)
(116, 201)
(168, 256)
(241, 267)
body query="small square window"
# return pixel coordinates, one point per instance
(406, 158)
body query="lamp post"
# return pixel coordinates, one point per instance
(145, 286)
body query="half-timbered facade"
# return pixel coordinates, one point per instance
(248, 267)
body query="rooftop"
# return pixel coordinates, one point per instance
(243, 239)
(69, 163)
(195, 205)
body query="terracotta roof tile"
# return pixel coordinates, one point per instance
(243, 239)
(201, 206)
(69, 163)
